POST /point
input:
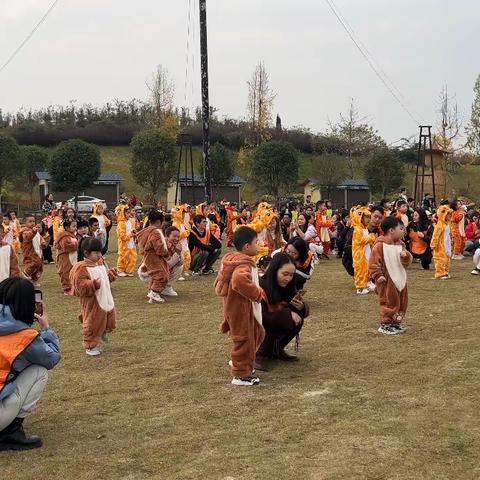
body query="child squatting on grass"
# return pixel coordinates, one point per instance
(237, 282)
(387, 268)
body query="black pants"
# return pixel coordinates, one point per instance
(277, 339)
(425, 259)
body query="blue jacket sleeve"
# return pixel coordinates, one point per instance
(44, 350)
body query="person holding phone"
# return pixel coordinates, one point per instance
(283, 310)
(25, 356)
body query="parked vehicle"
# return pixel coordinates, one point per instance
(85, 203)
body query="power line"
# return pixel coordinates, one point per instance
(29, 36)
(370, 61)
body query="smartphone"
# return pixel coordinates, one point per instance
(38, 302)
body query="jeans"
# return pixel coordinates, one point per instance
(29, 389)
(204, 260)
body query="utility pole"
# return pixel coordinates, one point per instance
(205, 100)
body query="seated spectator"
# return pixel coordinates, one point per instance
(205, 249)
(472, 234)
(25, 357)
(283, 309)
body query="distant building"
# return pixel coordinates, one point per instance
(347, 194)
(193, 193)
(106, 187)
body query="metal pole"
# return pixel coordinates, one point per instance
(205, 100)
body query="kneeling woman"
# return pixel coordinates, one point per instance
(283, 309)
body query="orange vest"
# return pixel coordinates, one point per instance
(205, 240)
(11, 346)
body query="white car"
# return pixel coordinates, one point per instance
(85, 203)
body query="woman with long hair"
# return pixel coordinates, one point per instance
(419, 234)
(283, 309)
(305, 229)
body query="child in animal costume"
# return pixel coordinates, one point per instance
(104, 224)
(458, 230)
(153, 246)
(67, 255)
(8, 233)
(8, 258)
(362, 242)
(16, 229)
(181, 221)
(441, 243)
(32, 245)
(126, 235)
(237, 282)
(232, 216)
(387, 265)
(323, 225)
(90, 281)
(401, 210)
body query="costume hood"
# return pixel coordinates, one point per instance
(442, 213)
(230, 262)
(356, 214)
(120, 212)
(62, 234)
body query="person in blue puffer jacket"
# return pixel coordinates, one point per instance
(25, 357)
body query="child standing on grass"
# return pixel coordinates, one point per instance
(154, 268)
(387, 265)
(32, 245)
(237, 283)
(91, 283)
(441, 243)
(8, 258)
(67, 256)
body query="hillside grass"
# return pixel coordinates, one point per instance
(158, 403)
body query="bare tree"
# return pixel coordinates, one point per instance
(260, 104)
(356, 138)
(162, 93)
(450, 123)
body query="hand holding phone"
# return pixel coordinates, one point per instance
(38, 302)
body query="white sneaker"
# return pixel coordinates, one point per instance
(169, 291)
(445, 277)
(155, 298)
(181, 279)
(388, 330)
(458, 257)
(121, 274)
(371, 287)
(93, 352)
(130, 275)
(475, 272)
(363, 291)
(245, 381)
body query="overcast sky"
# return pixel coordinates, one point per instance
(98, 50)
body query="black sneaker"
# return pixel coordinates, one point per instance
(211, 271)
(399, 327)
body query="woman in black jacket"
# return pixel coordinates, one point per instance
(283, 309)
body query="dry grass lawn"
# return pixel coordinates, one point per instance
(158, 403)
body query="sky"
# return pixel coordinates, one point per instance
(93, 51)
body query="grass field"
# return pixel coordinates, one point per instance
(158, 403)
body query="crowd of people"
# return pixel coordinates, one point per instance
(262, 280)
